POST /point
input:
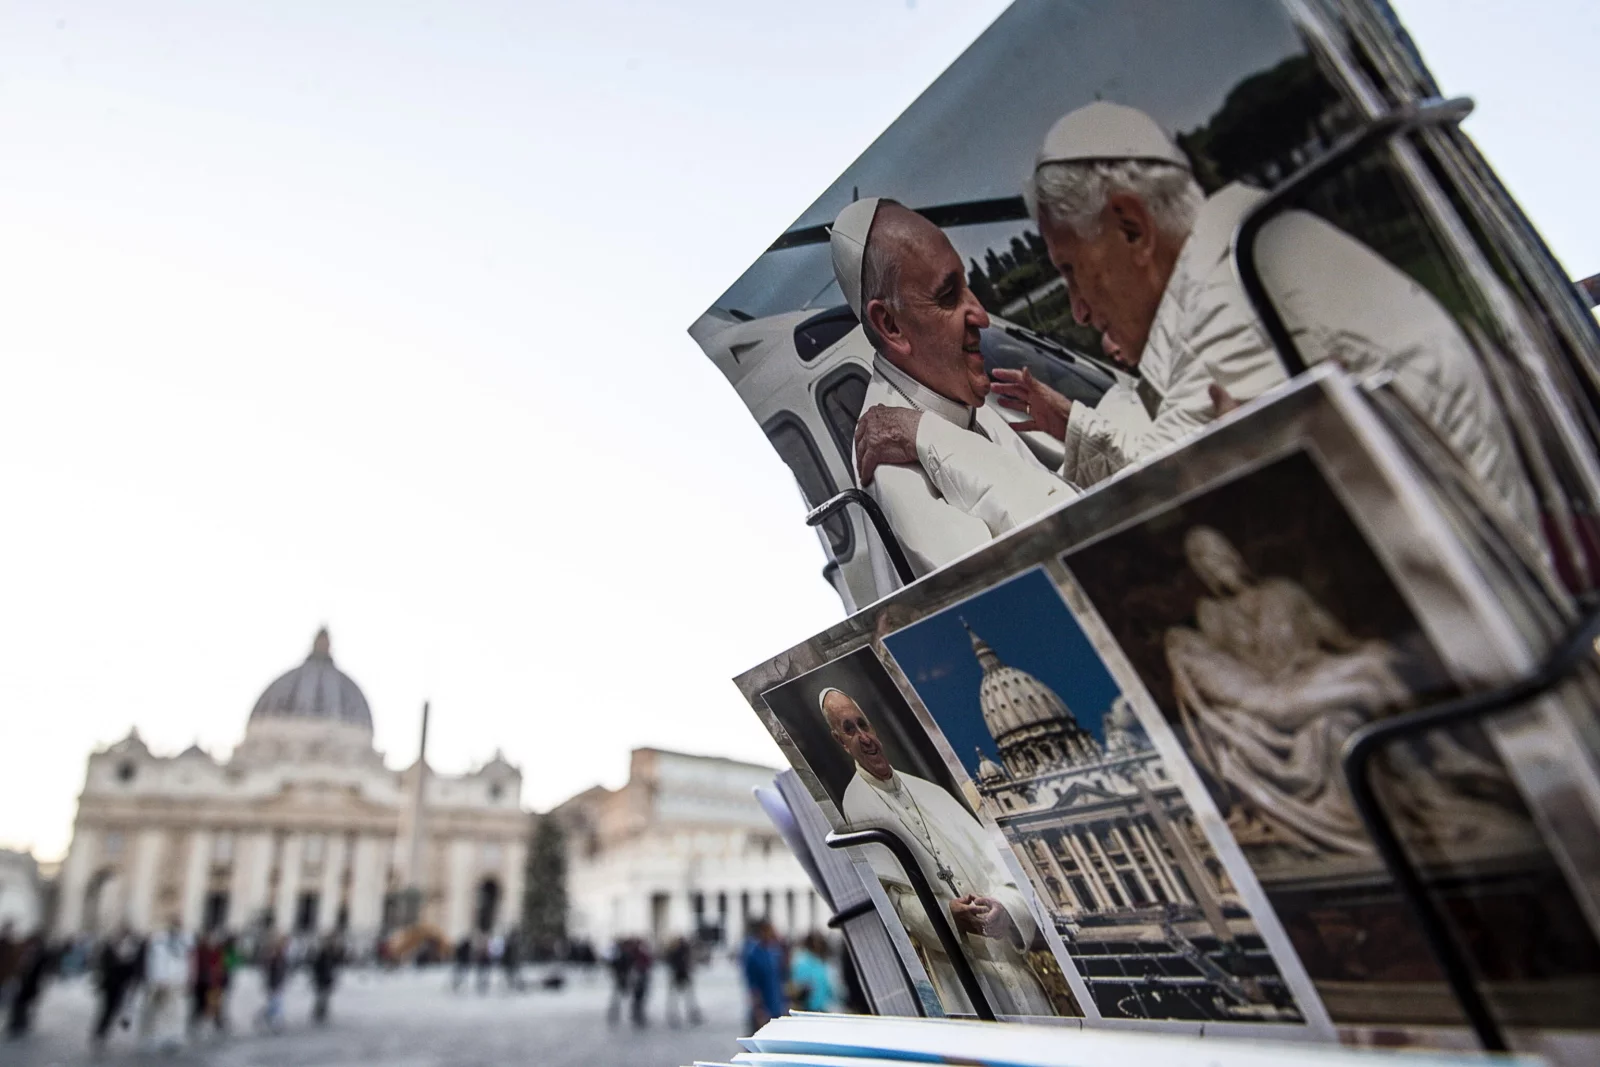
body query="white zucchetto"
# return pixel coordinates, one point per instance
(847, 239)
(1106, 131)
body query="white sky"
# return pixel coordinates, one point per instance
(373, 315)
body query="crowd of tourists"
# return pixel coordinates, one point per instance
(167, 988)
(778, 975)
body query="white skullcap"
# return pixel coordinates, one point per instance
(822, 699)
(848, 240)
(1105, 131)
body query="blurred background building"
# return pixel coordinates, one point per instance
(303, 829)
(682, 848)
(22, 891)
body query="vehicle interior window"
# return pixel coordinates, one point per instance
(822, 331)
(839, 398)
(796, 448)
(1071, 374)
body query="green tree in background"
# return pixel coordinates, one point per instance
(544, 898)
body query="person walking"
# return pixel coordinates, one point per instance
(680, 983)
(32, 967)
(324, 973)
(809, 975)
(511, 960)
(275, 975)
(463, 964)
(486, 961)
(230, 960)
(761, 960)
(10, 958)
(166, 973)
(621, 964)
(643, 961)
(118, 967)
(205, 976)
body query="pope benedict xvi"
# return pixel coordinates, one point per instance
(965, 872)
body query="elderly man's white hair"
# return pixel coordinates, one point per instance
(1105, 148)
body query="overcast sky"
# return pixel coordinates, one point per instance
(373, 315)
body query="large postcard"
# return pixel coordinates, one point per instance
(1265, 629)
(877, 769)
(1029, 284)
(1151, 916)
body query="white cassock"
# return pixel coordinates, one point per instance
(1340, 301)
(975, 477)
(950, 847)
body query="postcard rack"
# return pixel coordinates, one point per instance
(930, 904)
(1579, 647)
(880, 522)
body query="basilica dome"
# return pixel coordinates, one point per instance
(1013, 700)
(315, 691)
(1033, 728)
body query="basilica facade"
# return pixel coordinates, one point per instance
(1139, 898)
(302, 830)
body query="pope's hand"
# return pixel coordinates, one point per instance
(984, 916)
(1047, 409)
(885, 435)
(1222, 401)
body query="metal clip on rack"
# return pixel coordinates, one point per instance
(1377, 133)
(1579, 646)
(930, 904)
(879, 520)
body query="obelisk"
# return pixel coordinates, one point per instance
(412, 905)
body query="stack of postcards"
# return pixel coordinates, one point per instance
(808, 1040)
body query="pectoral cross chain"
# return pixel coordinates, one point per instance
(946, 875)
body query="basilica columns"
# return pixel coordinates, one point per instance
(1134, 864)
(460, 890)
(511, 904)
(283, 909)
(247, 892)
(196, 868)
(74, 881)
(368, 883)
(331, 890)
(144, 869)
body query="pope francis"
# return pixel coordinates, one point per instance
(961, 865)
(964, 476)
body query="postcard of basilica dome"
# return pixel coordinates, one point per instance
(1049, 750)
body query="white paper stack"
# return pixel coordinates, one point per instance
(812, 1040)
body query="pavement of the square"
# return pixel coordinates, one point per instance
(411, 1018)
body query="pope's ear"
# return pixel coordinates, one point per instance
(882, 318)
(1133, 221)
